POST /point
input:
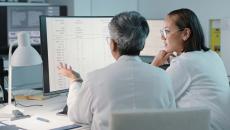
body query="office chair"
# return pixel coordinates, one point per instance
(175, 119)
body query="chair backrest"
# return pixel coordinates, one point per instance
(174, 119)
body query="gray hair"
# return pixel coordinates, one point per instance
(129, 30)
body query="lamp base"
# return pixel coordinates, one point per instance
(7, 111)
(34, 97)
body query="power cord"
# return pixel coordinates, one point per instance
(35, 105)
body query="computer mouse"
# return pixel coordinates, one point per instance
(18, 115)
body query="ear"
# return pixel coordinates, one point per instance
(186, 34)
(113, 45)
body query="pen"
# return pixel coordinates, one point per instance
(42, 119)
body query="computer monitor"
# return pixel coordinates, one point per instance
(14, 19)
(81, 43)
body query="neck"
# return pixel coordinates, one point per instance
(117, 56)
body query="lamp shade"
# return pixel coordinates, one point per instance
(25, 54)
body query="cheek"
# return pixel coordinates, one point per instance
(171, 45)
(169, 48)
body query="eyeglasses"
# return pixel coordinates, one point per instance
(164, 32)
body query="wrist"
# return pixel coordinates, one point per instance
(80, 80)
(155, 63)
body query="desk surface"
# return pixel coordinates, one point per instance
(47, 111)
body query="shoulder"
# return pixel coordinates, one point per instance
(157, 73)
(98, 72)
(122, 67)
(183, 62)
(194, 60)
(190, 58)
(197, 54)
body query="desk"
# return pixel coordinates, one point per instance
(47, 111)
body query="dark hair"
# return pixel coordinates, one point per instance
(129, 30)
(186, 18)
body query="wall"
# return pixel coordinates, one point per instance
(112, 7)
(75, 7)
(68, 3)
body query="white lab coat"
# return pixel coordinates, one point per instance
(200, 80)
(126, 84)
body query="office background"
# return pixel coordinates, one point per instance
(151, 9)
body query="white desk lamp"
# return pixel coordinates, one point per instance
(24, 55)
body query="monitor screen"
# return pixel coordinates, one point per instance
(24, 18)
(81, 43)
(153, 43)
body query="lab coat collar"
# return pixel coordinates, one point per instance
(127, 57)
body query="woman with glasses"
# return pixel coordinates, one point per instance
(198, 74)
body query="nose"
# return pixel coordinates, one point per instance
(162, 37)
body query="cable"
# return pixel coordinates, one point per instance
(34, 105)
(6, 80)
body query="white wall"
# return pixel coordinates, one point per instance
(75, 7)
(112, 7)
(83, 9)
(225, 39)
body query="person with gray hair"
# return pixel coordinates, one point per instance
(129, 30)
(128, 84)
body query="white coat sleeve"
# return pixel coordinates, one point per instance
(181, 78)
(79, 103)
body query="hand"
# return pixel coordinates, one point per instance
(67, 71)
(161, 58)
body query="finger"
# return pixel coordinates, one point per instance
(61, 64)
(168, 55)
(65, 66)
(163, 52)
(160, 52)
(174, 54)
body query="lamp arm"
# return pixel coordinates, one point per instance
(10, 73)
